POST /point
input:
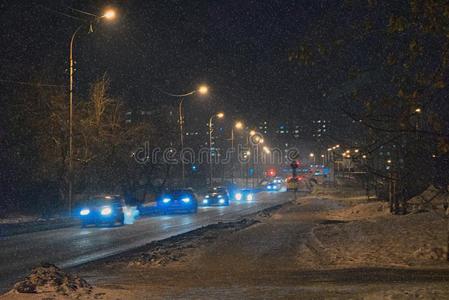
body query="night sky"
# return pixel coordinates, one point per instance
(239, 48)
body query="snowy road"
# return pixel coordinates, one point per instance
(74, 246)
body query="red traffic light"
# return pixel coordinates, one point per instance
(271, 172)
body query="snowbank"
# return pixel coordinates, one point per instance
(361, 211)
(50, 279)
(370, 241)
(430, 199)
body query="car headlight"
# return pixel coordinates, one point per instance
(220, 196)
(238, 196)
(106, 211)
(166, 200)
(207, 196)
(205, 201)
(269, 187)
(249, 197)
(85, 212)
(221, 200)
(185, 200)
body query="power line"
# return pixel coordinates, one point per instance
(31, 83)
(61, 13)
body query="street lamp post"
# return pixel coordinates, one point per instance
(312, 155)
(220, 116)
(109, 15)
(202, 90)
(238, 125)
(181, 138)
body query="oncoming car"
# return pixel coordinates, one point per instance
(180, 200)
(244, 195)
(99, 210)
(272, 186)
(217, 196)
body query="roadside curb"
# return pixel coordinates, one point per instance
(35, 226)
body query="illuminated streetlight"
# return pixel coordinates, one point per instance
(312, 155)
(238, 125)
(418, 110)
(219, 115)
(252, 132)
(203, 89)
(109, 14)
(356, 150)
(266, 150)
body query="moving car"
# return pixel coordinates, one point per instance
(108, 209)
(272, 186)
(244, 195)
(178, 200)
(217, 196)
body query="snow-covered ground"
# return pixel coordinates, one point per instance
(330, 244)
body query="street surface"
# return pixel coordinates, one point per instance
(73, 246)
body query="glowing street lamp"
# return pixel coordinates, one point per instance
(108, 15)
(203, 89)
(312, 156)
(239, 126)
(219, 115)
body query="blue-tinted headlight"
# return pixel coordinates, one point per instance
(205, 201)
(85, 212)
(222, 201)
(166, 200)
(185, 200)
(249, 197)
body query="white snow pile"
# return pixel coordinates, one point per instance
(432, 198)
(361, 211)
(50, 279)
